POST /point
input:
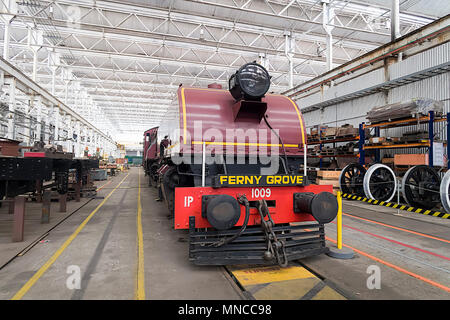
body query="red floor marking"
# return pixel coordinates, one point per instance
(412, 274)
(398, 228)
(104, 185)
(397, 242)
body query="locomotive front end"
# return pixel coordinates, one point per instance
(232, 175)
(255, 224)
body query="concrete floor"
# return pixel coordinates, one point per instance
(403, 263)
(412, 266)
(33, 229)
(106, 253)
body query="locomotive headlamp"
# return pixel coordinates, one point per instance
(250, 82)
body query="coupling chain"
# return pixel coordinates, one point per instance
(275, 248)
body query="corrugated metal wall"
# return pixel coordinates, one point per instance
(354, 111)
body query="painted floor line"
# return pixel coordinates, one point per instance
(397, 228)
(140, 276)
(372, 244)
(27, 286)
(397, 242)
(393, 266)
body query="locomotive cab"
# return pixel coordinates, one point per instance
(231, 175)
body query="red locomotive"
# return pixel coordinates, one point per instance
(231, 174)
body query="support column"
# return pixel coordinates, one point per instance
(46, 206)
(19, 219)
(96, 146)
(84, 143)
(47, 122)
(66, 92)
(35, 65)
(395, 24)
(6, 35)
(39, 118)
(86, 138)
(35, 41)
(327, 22)
(12, 109)
(78, 186)
(69, 133)
(78, 142)
(56, 116)
(8, 10)
(39, 185)
(54, 63)
(289, 52)
(395, 20)
(63, 202)
(53, 79)
(27, 121)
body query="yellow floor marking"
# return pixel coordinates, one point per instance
(140, 279)
(285, 290)
(328, 294)
(436, 214)
(259, 275)
(55, 256)
(276, 283)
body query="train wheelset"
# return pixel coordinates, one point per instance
(420, 187)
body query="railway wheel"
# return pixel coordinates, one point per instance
(380, 183)
(444, 191)
(420, 187)
(351, 179)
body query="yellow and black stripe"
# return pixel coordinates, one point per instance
(438, 214)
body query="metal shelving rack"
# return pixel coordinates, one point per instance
(430, 119)
(334, 141)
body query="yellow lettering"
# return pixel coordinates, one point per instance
(239, 180)
(293, 178)
(232, 180)
(257, 179)
(269, 180)
(299, 179)
(248, 180)
(277, 180)
(223, 179)
(285, 179)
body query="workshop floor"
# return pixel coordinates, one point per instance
(106, 252)
(102, 241)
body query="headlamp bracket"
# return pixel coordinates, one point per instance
(249, 111)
